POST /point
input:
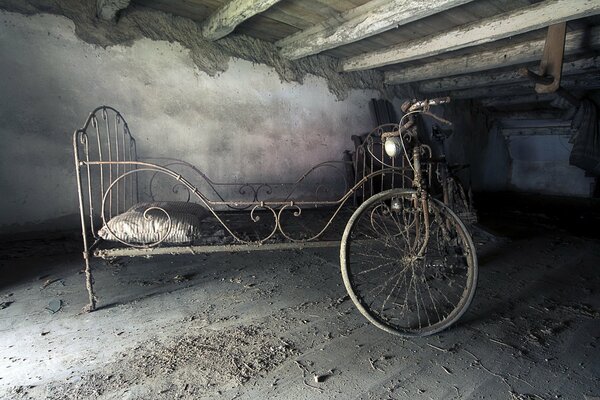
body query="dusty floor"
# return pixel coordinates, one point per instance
(262, 325)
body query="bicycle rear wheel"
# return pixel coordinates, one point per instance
(401, 282)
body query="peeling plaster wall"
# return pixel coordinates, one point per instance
(241, 124)
(136, 22)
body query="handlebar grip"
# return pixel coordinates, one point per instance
(439, 101)
(423, 104)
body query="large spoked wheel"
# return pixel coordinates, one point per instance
(405, 280)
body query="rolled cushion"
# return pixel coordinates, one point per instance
(133, 227)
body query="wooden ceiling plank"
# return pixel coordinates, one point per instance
(108, 9)
(499, 78)
(488, 30)
(187, 9)
(341, 5)
(265, 28)
(223, 21)
(311, 11)
(358, 23)
(432, 24)
(294, 15)
(514, 54)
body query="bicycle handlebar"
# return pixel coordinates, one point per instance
(415, 105)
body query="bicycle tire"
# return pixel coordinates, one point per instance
(449, 253)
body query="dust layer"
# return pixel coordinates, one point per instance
(204, 364)
(138, 22)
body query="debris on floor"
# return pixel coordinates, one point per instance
(203, 363)
(54, 306)
(5, 304)
(281, 325)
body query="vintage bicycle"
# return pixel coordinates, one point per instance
(408, 261)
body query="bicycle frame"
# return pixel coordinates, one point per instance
(421, 198)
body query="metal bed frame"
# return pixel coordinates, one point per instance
(108, 181)
(107, 169)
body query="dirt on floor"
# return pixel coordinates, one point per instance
(204, 362)
(280, 325)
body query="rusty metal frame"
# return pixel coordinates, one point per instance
(107, 170)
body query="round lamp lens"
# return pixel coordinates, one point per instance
(393, 146)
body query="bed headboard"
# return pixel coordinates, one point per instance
(105, 153)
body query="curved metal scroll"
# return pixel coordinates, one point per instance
(338, 205)
(270, 207)
(148, 167)
(256, 191)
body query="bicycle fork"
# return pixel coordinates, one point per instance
(420, 201)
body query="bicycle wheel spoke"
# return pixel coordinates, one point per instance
(432, 300)
(376, 268)
(388, 236)
(382, 287)
(391, 292)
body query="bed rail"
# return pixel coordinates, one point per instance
(229, 195)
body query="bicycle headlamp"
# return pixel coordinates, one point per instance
(393, 146)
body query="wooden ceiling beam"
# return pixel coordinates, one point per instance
(358, 23)
(583, 82)
(224, 20)
(498, 78)
(513, 54)
(108, 9)
(487, 30)
(518, 100)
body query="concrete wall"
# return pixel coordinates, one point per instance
(473, 141)
(244, 124)
(477, 142)
(540, 164)
(522, 163)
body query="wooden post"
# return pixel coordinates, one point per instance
(552, 59)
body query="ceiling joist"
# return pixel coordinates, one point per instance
(582, 82)
(498, 78)
(487, 30)
(513, 54)
(223, 21)
(517, 100)
(358, 23)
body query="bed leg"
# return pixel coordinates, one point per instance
(89, 284)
